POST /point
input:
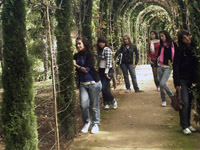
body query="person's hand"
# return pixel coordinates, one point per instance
(178, 88)
(107, 76)
(74, 62)
(83, 69)
(134, 66)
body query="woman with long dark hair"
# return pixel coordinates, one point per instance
(165, 60)
(127, 51)
(105, 66)
(184, 76)
(153, 48)
(89, 85)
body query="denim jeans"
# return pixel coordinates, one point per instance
(187, 98)
(129, 67)
(89, 100)
(163, 75)
(107, 96)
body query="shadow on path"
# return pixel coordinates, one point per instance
(140, 123)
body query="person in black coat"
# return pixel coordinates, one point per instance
(127, 51)
(184, 75)
(89, 85)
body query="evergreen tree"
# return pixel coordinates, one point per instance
(18, 117)
(65, 62)
(86, 18)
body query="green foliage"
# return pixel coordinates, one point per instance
(193, 6)
(35, 26)
(86, 18)
(65, 61)
(17, 114)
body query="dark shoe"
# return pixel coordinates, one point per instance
(138, 91)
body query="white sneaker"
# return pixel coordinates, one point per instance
(115, 105)
(191, 128)
(187, 131)
(107, 107)
(164, 104)
(95, 129)
(85, 128)
(128, 90)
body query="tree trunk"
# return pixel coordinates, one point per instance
(86, 18)
(103, 19)
(18, 118)
(46, 60)
(66, 100)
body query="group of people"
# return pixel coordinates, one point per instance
(164, 56)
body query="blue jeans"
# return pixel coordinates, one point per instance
(107, 96)
(187, 97)
(129, 67)
(89, 99)
(163, 75)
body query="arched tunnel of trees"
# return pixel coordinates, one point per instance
(37, 41)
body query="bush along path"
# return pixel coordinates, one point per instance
(139, 122)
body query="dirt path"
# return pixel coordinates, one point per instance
(139, 122)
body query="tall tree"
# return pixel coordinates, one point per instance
(18, 117)
(65, 62)
(86, 18)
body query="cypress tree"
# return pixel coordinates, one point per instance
(86, 18)
(18, 117)
(65, 62)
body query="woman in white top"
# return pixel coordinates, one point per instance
(105, 67)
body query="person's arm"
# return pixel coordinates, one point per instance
(108, 56)
(149, 53)
(176, 65)
(78, 67)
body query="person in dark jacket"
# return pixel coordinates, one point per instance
(127, 51)
(165, 60)
(89, 85)
(184, 76)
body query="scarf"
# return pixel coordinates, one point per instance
(152, 48)
(162, 52)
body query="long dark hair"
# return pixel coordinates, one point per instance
(168, 37)
(86, 43)
(156, 33)
(180, 39)
(129, 40)
(101, 39)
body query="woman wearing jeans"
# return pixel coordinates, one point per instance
(127, 51)
(105, 65)
(153, 49)
(89, 85)
(183, 74)
(165, 60)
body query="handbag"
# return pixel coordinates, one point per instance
(176, 101)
